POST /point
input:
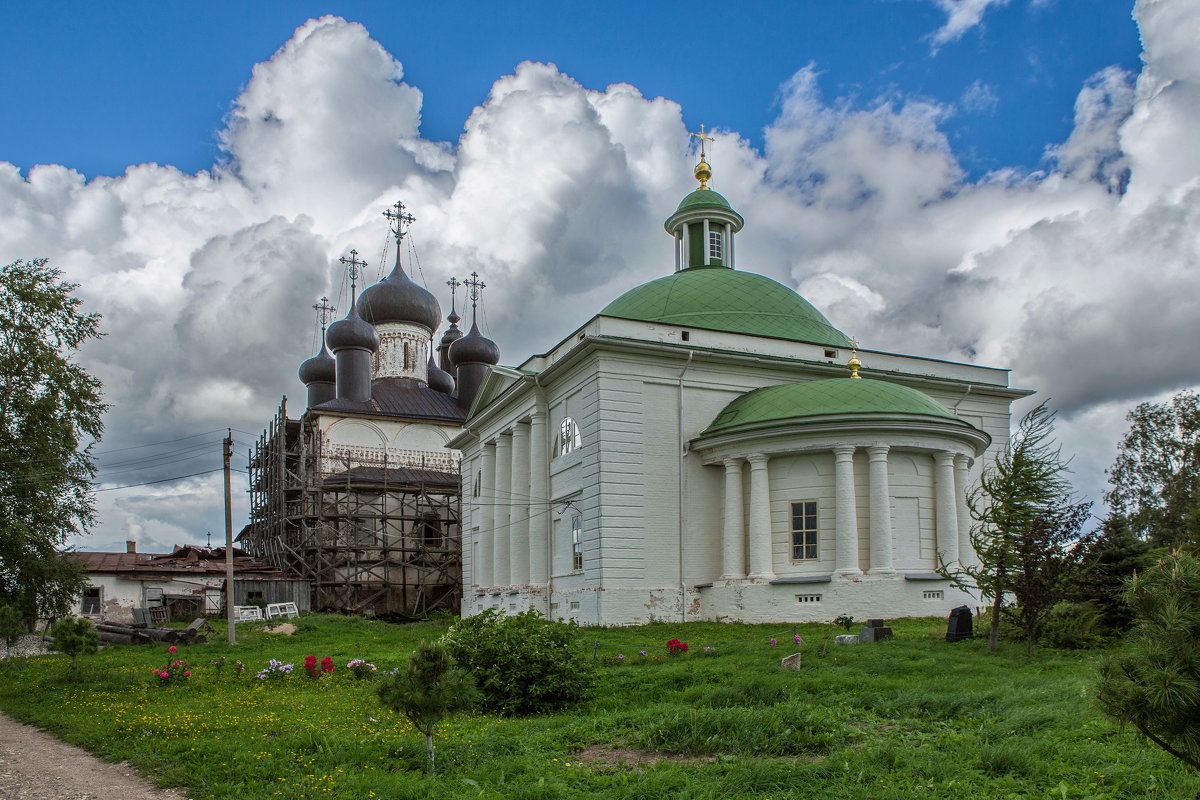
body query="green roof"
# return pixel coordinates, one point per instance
(723, 299)
(837, 397)
(703, 197)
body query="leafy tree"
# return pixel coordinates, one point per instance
(75, 636)
(1156, 477)
(12, 626)
(522, 663)
(1154, 684)
(1047, 555)
(1026, 481)
(429, 690)
(48, 406)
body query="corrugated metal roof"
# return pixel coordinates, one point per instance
(401, 397)
(187, 559)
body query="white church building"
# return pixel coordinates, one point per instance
(709, 447)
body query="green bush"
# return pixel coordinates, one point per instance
(75, 636)
(522, 663)
(1074, 626)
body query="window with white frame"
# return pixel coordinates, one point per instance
(804, 530)
(714, 245)
(576, 543)
(569, 439)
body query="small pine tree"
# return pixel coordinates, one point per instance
(12, 626)
(1154, 683)
(427, 691)
(75, 636)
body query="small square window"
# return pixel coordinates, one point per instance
(91, 601)
(933, 594)
(686, 336)
(831, 354)
(808, 598)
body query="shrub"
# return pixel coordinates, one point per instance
(1074, 626)
(75, 636)
(522, 663)
(12, 626)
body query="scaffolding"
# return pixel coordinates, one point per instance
(373, 539)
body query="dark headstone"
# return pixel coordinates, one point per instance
(960, 626)
(874, 623)
(875, 633)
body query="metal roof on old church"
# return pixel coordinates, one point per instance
(401, 397)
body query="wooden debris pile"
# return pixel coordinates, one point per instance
(140, 633)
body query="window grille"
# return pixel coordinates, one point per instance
(808, 598)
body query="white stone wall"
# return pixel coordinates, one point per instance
(348, 442)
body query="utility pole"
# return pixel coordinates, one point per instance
(228, 452)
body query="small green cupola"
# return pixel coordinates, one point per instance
(704, 224)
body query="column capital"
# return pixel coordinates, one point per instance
(758, 459)
(963, 461)
(732, 464)
(878, 452)
(944, 458)
(844, 451)
(538, 416)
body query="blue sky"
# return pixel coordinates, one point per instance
(100, 86)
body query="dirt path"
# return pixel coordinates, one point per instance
(36, 766)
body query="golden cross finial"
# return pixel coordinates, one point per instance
(854, 363)
(702, 139)
(703, 171)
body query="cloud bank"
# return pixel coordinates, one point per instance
(1080, 277)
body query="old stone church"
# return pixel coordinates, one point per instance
(708, 446)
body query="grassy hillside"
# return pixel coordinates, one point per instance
(913, 717)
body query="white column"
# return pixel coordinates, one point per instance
(687, 247)
(678, 252)
(961, 480)
(704, 244)
(503, 500)
(844, 517)
(518, 554)
(760, 518)
(881, 511)
(947, 508)
(539, 487)
(733, 535)
(728, 254)
(487, 515)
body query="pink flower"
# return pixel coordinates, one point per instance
(773, 642)
(166, 674)
(796, 638)
(187, 674)
(172, 649)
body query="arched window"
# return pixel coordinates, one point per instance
(569, 439)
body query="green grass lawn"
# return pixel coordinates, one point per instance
(913, 717)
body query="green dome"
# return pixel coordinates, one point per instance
(723, 299)
(701, 198)
(836, 397)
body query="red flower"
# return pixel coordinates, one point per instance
(327, 664)
(674, 647)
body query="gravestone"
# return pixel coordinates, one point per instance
(875, 631)
(790, 662)
(960, 626)
(847, 638)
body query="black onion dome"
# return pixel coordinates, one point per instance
(474, 348)
(397, 298)
(452, 335)
(352, 331)
(321, 368)
(439, 379)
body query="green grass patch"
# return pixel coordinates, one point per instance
(912, 717)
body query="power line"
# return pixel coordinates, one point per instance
(163, 480)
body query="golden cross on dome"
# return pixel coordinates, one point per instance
(702, 139)
(854, 363)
